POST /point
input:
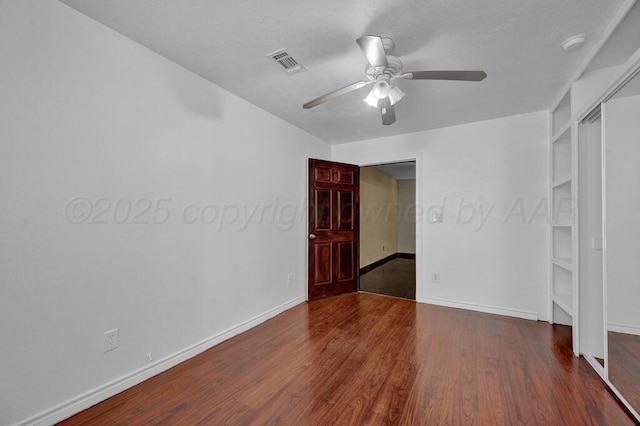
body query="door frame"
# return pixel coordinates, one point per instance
(363, 161)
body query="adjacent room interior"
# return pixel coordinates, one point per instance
(159, 224)
(388, 229)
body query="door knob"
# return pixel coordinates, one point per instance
(312, 236)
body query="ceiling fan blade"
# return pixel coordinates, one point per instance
(388, 112)
(447, 75)
(373, 50)
(331, 95)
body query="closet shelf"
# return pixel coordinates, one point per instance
(562, 224)
(561, 181)
(564, 301)
(563, 262)
(562, 154)
(560, 134)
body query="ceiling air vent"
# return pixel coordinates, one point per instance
(286, 62)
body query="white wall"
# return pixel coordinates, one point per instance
(491, 178)
(407, 216)
(622, 182)
(85, 112)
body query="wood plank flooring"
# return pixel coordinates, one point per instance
(375, 360)
(624, 366)
(396, 277)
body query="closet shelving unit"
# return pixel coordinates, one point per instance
(563, 298)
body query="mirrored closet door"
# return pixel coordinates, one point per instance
(621, 200)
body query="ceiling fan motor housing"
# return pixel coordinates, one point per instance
(394, 68)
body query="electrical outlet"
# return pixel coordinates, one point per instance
(111, 340)
(435, 277)
(290, 279)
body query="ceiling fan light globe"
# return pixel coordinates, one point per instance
(395, 94)
(371, 99)
(381, 90)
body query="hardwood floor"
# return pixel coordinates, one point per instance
(396, 277)
(624, 365)
(375, 360)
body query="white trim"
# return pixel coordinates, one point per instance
(480, 308)
(575, 236)
(605, 252)
(99, 394)
(549, 286)
(595, 365)
(624, 328)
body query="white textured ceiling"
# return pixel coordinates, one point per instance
(405, 170)
(515, 41)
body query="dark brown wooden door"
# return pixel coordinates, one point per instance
(334, 220)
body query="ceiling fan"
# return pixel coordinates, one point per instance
(382, 71)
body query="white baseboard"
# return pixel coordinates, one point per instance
(623, 328)
(94, 396)
(480, 308)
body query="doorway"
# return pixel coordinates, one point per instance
(388, 219)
